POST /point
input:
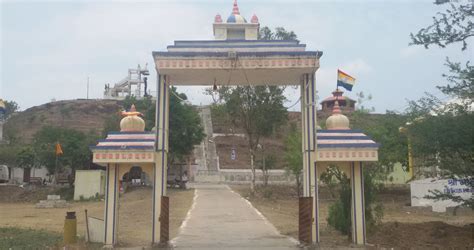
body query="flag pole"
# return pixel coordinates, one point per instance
(56, 170)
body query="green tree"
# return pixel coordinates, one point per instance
(339, 215)
(75, 146)
(442, 132)
(280, 33)
(10, 108)
(186, 129)
(259, 111)
(27, 158)
(294, 156)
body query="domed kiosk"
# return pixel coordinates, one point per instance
(347, 149)
(132, 146)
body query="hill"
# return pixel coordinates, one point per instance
(87, 116)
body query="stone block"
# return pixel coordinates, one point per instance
(54, 197)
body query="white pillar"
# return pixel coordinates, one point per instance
(358, 206)
(161, 157)
(308, 122)
(111, 205)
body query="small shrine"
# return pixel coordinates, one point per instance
(131, 147)
(347, 149)
(346, 104)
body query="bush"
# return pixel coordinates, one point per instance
(340, 212)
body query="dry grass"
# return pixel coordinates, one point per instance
(135, 213)
(403, 226)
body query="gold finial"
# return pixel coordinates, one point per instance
(132, 111)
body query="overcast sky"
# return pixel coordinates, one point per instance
(49, 48)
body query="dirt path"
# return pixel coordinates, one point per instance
(134, 215)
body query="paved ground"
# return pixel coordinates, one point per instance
(222, 219)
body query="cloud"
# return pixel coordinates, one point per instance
(357, 67)
(411, 51)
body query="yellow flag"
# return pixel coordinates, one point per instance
(59, 150)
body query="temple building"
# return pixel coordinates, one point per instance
(236, 26)
(346, 104)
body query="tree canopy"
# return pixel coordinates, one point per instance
(442, 132)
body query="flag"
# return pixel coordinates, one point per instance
(59, 150)
(344, 80)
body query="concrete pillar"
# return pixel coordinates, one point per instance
(308, 122)
(358, 206)
(111, 205)
(161, 157)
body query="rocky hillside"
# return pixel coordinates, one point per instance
(84, 115)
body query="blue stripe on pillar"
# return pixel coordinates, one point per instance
(308, 136)
(157, 111)
(363, 198)
(163, 147)
(107, 201)
(313, 104)
(354, 204)
(316, 197)
(154, 205)
(114, 218)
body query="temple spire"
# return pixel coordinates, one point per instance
(235, 10)
(336, 109)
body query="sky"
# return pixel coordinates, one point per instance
(50, 48)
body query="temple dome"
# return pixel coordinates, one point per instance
(132, 122)
(337, 120)
(235, 17)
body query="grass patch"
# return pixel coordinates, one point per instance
(18, 238)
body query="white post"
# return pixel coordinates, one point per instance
(161, 157)
(358, 206)
(111, 205)
(308, 122)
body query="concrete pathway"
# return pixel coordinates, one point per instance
(222, 219)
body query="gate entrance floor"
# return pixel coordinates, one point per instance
(222, 219)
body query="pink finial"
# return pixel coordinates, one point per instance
(218, 19)
(336, 109)
(254, 19)
(235, 10)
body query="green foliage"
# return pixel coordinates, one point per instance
(75, 146)
(19, 238)
(280, 33)
(185, 124)
(186, 129)
(294, 156)
(258, 110)
(442, 133)
(267, 162)
(111, 123)
(8, 154)
(453, 26)
(385, 130)
(339, 215)
(27, 158)
(10, 108)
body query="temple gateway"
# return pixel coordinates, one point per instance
(236, 57)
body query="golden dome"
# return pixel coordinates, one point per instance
(132, 122)
(337, 120)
